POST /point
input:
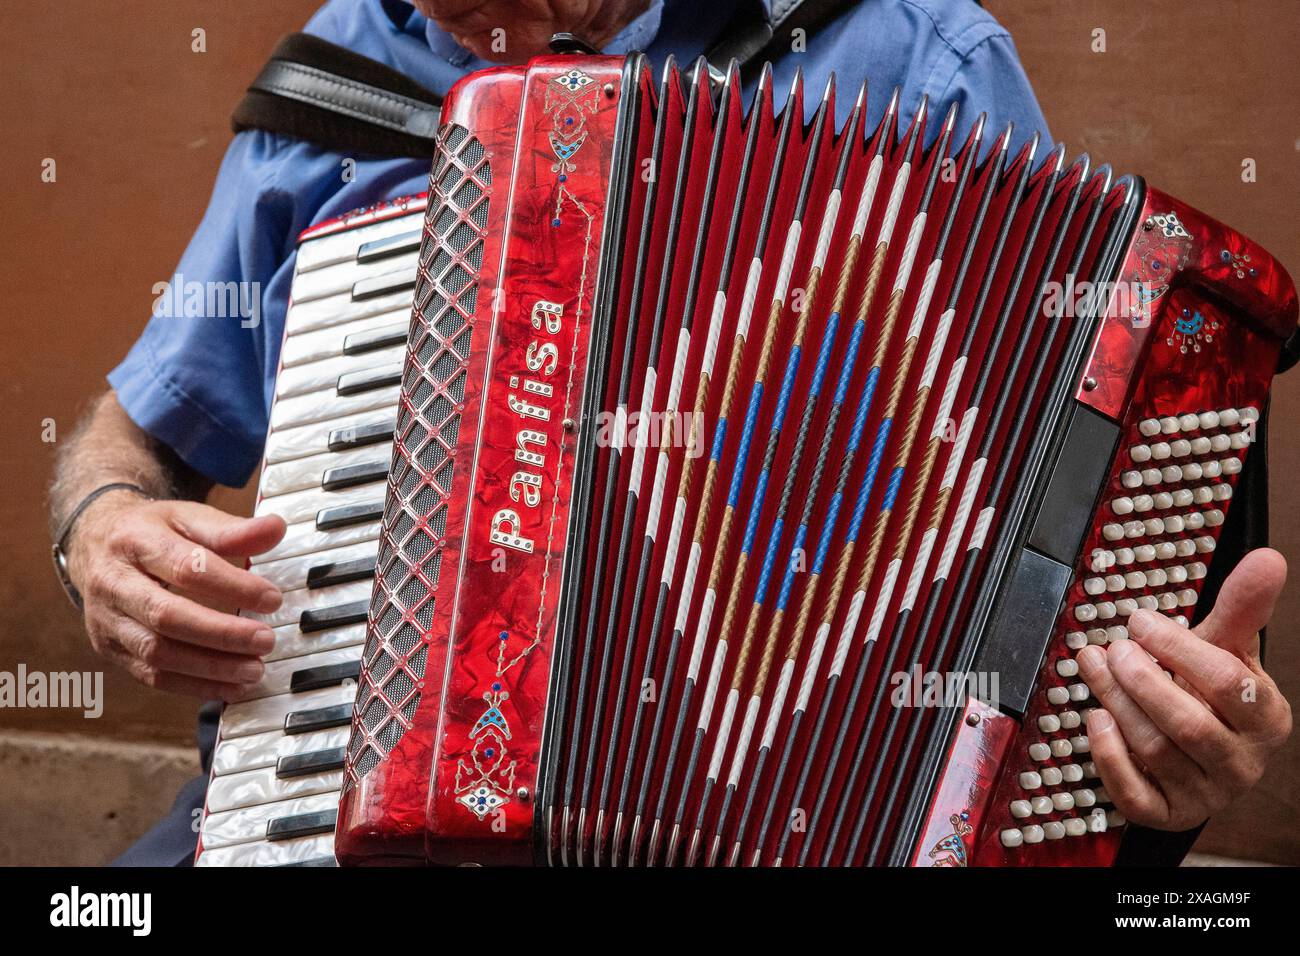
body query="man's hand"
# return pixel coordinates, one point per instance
(1172, 752)
(133, 560)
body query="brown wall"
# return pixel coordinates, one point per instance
(137, 125)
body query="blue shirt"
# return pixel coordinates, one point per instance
(200, 377)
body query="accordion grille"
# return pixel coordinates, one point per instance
(420, 476)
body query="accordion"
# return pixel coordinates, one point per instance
(735, 491)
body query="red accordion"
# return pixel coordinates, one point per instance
(756, 477)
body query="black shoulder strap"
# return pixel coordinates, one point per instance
(315, 90)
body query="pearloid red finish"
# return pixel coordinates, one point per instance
(1141, 372)
(495, 617)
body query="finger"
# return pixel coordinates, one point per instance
(1221, 678)
(162, 612)
(164, 655)
(1192, 726)
(224, 533)
(1128, 788)
(201, 572)
(1245, 604)
(1158, 754)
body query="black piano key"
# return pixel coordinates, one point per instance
(359, 343)
(327, 675)
(318, 718)
(302, 824)
(317, 761)
(389, 282)
(389, 246)
(314, 861)
(354, 436)
(321, 618)
(340, 572)
(327, 519)
(365, 380)
(347, 476)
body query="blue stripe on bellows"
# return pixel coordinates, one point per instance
(824, 545)
(787, 580)
(769, 559)
(719, 438)
(895, 480)
(787, 387)
(755, 510)
(824, 355)
(751, 419)
(868, 480)
(850, 359)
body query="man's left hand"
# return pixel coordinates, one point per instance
(1172, 752)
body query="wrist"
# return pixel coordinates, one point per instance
(85, 523)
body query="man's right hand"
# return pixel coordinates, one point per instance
(134, 562)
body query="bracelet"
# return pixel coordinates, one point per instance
(57, 552)
(66, 528)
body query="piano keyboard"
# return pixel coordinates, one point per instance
(277, 769)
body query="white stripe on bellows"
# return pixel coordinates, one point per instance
(778, 701)
(909, 252)
(829, 217)
(810, 669)
(964, 505)
(949, 397)
(724, 731)
(923, 300)
(918, 567)
(747, 300)
(882, 600)
(711, 688)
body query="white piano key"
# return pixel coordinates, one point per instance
(303, 505)
(303, 473)
(340, 248)
(315, 376)
(249, 823)
(291, 642)
(336, 310)
(279, 853)
(300, 348)
(295, 602)
(290, 574)
(302, 539)
(313, 438)
(263, 750)
(322, 283)
(268, 713)
(255, 787)
(327, 405)
(278, 674)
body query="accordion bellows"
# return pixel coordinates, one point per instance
(757, 473)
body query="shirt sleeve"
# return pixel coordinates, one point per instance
(195, 379)
(987, 78)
